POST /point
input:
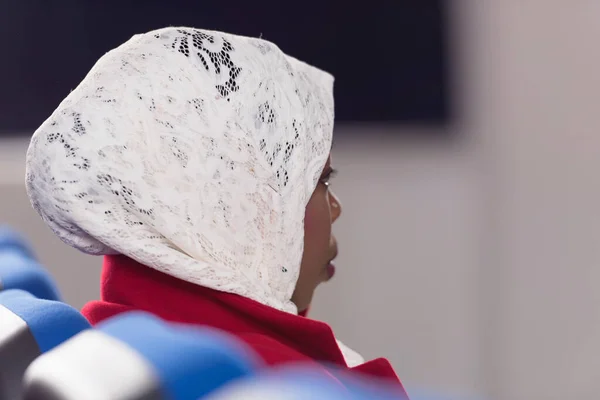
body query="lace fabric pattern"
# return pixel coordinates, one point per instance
(193, 152)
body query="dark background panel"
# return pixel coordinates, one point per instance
(389, 57)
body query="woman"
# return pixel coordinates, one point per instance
(198, 164)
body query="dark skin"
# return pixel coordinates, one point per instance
(320, 246)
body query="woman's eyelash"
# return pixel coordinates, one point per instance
(330, 175)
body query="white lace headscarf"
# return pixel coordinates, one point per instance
(193, 152)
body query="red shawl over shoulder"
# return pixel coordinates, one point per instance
(276, 336)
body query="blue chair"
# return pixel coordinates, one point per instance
(138, 356)
(29, 327)
(299, 383)
(365, 388)
(425, 394)
(20, 270)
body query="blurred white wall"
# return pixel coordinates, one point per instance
(406, 283)
(532, 90)
(471, 263)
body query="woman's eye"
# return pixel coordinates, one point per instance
(326, 180)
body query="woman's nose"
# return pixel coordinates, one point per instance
(336, 206)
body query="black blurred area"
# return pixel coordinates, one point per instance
(389, 57)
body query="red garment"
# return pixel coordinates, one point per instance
(278, 337)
